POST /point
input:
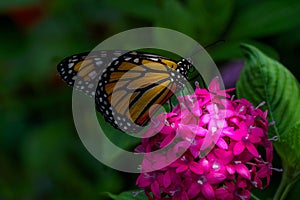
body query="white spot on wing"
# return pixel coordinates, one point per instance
(70, 65)
(99, 62)
(154, 59)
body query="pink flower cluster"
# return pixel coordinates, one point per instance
(234, 132)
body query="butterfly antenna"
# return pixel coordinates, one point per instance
(194, 52)
(214, 43)
(193, 68)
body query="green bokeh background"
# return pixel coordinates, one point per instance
(41, 156)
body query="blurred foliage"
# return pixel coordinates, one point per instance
(41, 156)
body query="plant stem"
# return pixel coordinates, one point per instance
(289, 177)
(254, 197)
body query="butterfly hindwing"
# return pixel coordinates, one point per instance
(85, 69)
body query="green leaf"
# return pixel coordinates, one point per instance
(128, 195)
(210, 25)
(147, 9)
(174, 16)
(264, 79)
(265, 18)
(290, 145)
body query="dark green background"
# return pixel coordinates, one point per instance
(41, 156)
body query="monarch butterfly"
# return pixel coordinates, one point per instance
(129, 85)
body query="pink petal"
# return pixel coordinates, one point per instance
(147, 164)
(193, 190)
(230, 169)
(223, 194)
(142, 181)
(238, 148)
(242, 183)
(184, 196)
(204, 164)
(200, 131)
(195, 108)
(210, 107)
(257, 131)
(195, 151)
(204, 119)
(254, 139)
(229, 113)
(241, 132)
(222, 143)
(243, 171)
(166, 141)
(236, 135)
(167, 179)
(214, 85)
(166, 130)
(159, 161)
(249, 120)
(244, 101)
(220, 192)
(208, 191)
(214, 178)
(170, 115)
(235, 120)
(155, 189)
(263, 171)
(228, 130)
(181, 168)
(223, 155)
(269, 149)
(252, 149)
(196, 168)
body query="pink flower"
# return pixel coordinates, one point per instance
(216, 149)
(186, 162)
(151, 180)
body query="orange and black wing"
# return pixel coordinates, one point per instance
(134, 84)
(81, 71)
(127, 86)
